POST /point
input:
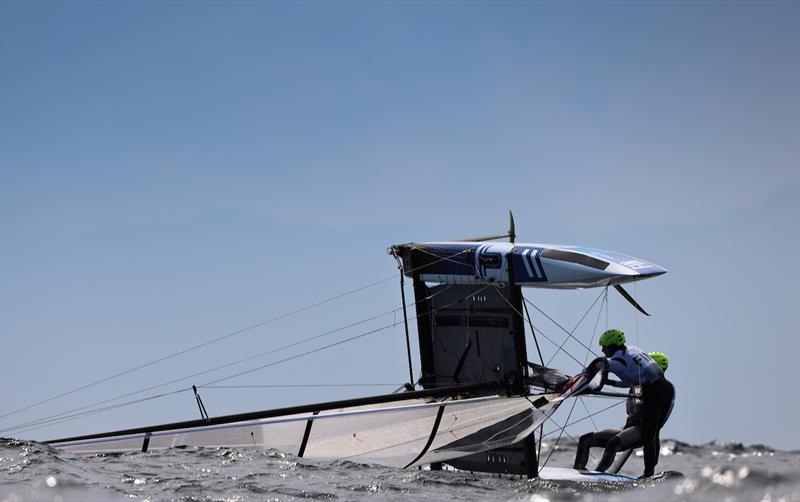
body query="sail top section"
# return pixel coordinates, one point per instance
(528, 265)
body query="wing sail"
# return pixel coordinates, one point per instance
(527, 265)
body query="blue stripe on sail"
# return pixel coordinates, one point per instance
(527, 265)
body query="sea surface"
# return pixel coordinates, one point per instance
(35, 472)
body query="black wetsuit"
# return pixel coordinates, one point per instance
(613, 440)
(634, 367)
(657, 399)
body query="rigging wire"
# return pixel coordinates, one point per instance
(64, 417)
(570, 424)
(574, 402)
(302, 354)
(588, 413)
(541, 360)
(568, 435)
(636, 324)
(198, 346)
(215, 340)
(597, 322)
(586, 358)
(569, 333)
(562, 430)
(44, 422)
(512, 307)
(439, 258)
(187, 377)
(274, 363)
(330, 345)
(193, 375)
(292, 386)
(533, 331)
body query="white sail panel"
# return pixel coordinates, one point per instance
(397, 434)
(483, 429)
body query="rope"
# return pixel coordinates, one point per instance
(569, 333)
(537, 330)
(636, 324)
(560, 434)
(218, 339)
(596, 322)
(586, 358)
(533, 331)
(198, 346)
(570, 424)
(541, 360)
(38, 424)
(193, 375)
(312, 351)
(328, 346)
(63, 416)
(292, 386)
(588, 413)
(440, 258)
(568, 435)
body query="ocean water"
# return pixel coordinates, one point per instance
(35, 472)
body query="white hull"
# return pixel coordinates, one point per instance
(564, 474)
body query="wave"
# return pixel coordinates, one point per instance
(709, 471)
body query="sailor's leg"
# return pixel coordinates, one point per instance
(588, 441)
(582, 455)
(620, 461)
(656, 398)
(664, 412)
(612, 447)
(649, 426)
(628, 438)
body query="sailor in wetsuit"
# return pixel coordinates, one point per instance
(636, 368)
(617, 440)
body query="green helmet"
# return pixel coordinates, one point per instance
(660, 358)
(612, 337)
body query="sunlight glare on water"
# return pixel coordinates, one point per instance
(32, 471)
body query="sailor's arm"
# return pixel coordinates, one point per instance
(617, 366)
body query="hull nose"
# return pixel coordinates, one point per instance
(653, 273)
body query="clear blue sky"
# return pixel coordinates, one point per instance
(173, 172)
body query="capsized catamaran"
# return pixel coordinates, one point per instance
(480, 400)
